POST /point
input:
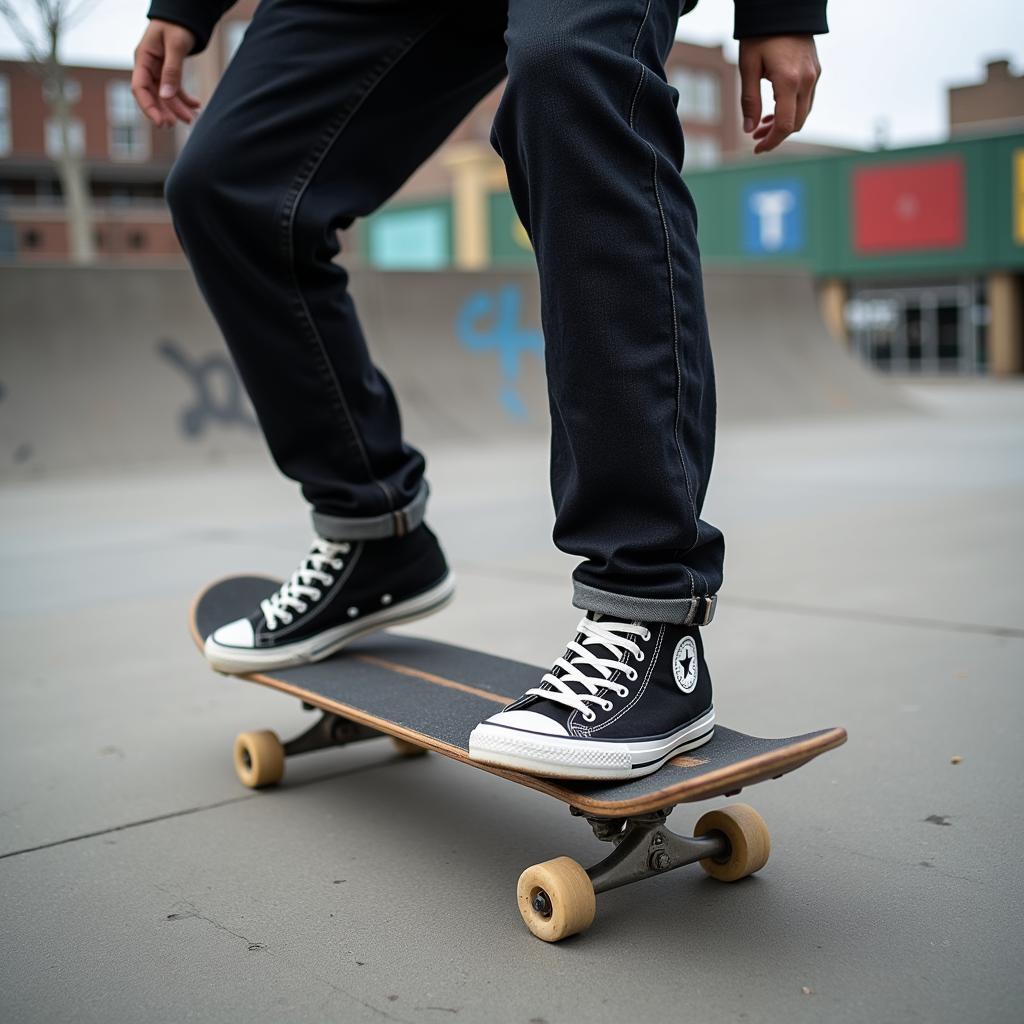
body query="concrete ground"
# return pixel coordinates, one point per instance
(873, 581)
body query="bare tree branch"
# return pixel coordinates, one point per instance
(24, 35)
(76, 12)
(52, 19)
(41, 36)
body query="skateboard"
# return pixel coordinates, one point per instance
(428, 696)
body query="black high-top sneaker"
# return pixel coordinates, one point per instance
(340, 591)
(623, 699)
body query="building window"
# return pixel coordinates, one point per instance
(8, 240)
(416, 239)
(72, 91)
(76, 137)
(31, 239)
(128, 131)
(136, 240)
(47, 191)
(923, 328)
(5, 115)
(702, 151)
(699, 95)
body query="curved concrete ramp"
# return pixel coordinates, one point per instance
(119, 367)
(774, 357)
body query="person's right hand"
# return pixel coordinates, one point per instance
(156, 76)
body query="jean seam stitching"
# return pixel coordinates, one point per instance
(672, 297)
(293, 198)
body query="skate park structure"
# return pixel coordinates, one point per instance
(116, 368)
(873, 568)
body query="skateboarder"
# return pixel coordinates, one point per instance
(325, 110)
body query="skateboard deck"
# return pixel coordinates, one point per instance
(428, 696)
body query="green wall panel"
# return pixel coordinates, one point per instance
(509, 245)
(821, 189)
(793, 213)
(1007, 221)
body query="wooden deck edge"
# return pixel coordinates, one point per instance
(715, 783)
(743, 773)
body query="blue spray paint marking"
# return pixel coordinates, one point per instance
(503, 334)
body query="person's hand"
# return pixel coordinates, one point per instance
(790, 63)
(156, 76)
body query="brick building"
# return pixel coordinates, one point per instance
(995, 104)
(125, 161)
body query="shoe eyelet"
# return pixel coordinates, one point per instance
(647, 636)
(631, 675)
(641, 656)
(337, 563)
(345, 548)
(589, 716)
(623, 692)
(300, 608)
(330, 580)
(316, 596)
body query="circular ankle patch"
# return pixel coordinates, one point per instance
(684, 664)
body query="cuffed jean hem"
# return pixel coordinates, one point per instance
(684, 611)
(387, 524)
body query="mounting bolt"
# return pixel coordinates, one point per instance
(541, 903)
(660, 860)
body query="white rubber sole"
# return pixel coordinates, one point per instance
(565, 757)
(238, 660)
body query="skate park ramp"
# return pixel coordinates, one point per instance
(115, 367)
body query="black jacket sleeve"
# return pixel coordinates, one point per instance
(753, 17)
(777, 18)
(198, 16)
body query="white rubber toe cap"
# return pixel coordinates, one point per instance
(528, 720)
(235, 634)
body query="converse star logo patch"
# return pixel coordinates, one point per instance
(684, 664)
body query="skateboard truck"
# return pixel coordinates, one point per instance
(557, 897)
(260, 756)
(329, 731)
(644, 847)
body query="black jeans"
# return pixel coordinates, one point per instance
(325, 110)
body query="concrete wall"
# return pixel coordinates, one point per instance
(110, 367)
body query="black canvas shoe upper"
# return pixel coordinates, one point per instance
(341, 582)
(625, 680)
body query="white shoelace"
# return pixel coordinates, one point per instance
(578, 655)
(297, 592)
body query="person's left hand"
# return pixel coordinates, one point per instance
(790, 63)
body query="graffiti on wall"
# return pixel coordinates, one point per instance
(217, 395)
(490, 322)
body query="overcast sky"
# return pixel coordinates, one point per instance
(885, 61)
